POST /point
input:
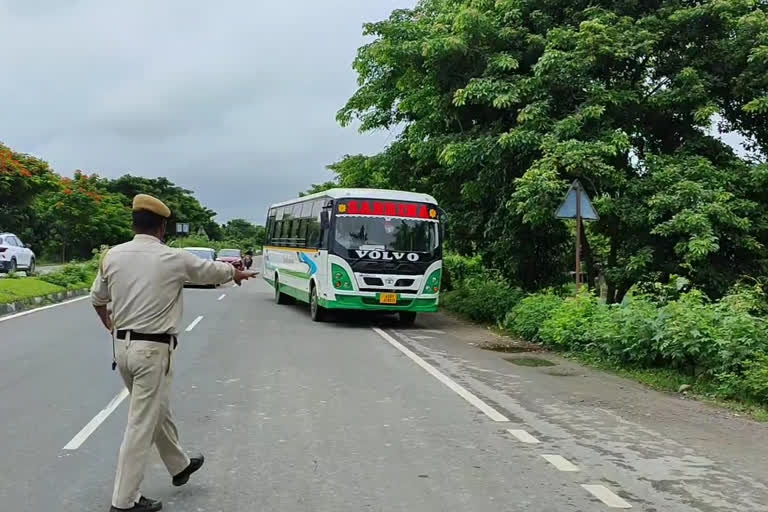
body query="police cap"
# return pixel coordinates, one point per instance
(144, 202)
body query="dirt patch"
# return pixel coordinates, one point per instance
(529, 361)
(562, 372)
(507, 349)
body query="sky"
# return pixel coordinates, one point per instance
(234, 99)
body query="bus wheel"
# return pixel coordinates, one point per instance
(316, 311)
(280, 297)
(407, 317)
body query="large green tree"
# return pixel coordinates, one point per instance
(185, 207)
(79, 216)
(22, 178)
(502, 103)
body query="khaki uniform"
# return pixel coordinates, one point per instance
(143, 281)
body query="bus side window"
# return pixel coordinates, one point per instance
(313, 225)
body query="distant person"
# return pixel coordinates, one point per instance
(248, 261)
(143, 281)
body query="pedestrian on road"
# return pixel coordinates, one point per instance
(143, 280)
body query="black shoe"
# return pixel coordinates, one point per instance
(143, 505)
(195, 463)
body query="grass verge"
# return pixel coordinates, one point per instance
(14, 290)
(71, 277)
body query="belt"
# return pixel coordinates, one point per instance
(140, 336)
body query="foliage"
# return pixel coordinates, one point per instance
(568, 325)
(458, 268)
(22, 178)
(482, 300)
(78, 213)
(500, 104)
(72, 276)
(529, 315)
(182, 202)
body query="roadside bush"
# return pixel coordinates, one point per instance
(568, 325)
(72, 276)
(625, 333)
(458, 268)
(526, 318)
(481, 300)
(752, 384)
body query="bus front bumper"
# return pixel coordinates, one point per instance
(416, 305)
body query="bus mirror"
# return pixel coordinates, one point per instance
(325, 219)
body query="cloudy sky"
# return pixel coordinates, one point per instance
(234, 99)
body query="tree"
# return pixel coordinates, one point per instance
(79, 216)
(242, 230)
(504, 102)
(22, 177)
(182, 202)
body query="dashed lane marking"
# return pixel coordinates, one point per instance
(561, 463)
(97, 420)
(456, 388)
(194, 323)
(607, 496)
(523, 436)
(222, 296)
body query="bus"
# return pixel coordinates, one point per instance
(356, 249)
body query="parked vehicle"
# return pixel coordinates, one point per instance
(233, 256)
(15, 255)
(205, 253)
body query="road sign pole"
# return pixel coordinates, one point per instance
(578, 238)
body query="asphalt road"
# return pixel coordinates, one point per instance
(352, 415)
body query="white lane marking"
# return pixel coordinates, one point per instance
(607, 496)
(434, 331)
(421, 337)
(456, 388)
(30, 311)
(523, 436)
(561, 463)
(194, 323)
(222, 296)
(97, 420)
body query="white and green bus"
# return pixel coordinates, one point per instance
(363, 249)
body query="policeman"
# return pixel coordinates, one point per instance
(143, 281)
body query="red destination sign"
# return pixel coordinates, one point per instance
(387, 209)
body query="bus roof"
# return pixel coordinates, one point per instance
(366, 193)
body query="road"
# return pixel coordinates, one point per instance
(357, 415)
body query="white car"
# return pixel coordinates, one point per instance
(205, 253)
(14, 255)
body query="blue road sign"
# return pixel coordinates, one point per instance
(567, 210)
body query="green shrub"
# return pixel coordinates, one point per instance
(458, 268)
(481, 300)
(72, 276)
(526, 318)
(751, 384)
(568, 325)
(625, 333)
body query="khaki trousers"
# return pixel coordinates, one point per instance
(144, 367)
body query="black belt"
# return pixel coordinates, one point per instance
(140, 336)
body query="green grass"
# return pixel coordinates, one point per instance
(17, 289)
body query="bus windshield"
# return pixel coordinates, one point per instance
(379, 233)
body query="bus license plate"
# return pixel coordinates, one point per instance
(388, 298)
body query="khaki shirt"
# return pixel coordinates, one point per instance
(144, 280)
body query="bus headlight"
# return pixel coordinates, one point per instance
(432, 284)
(341, 280)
